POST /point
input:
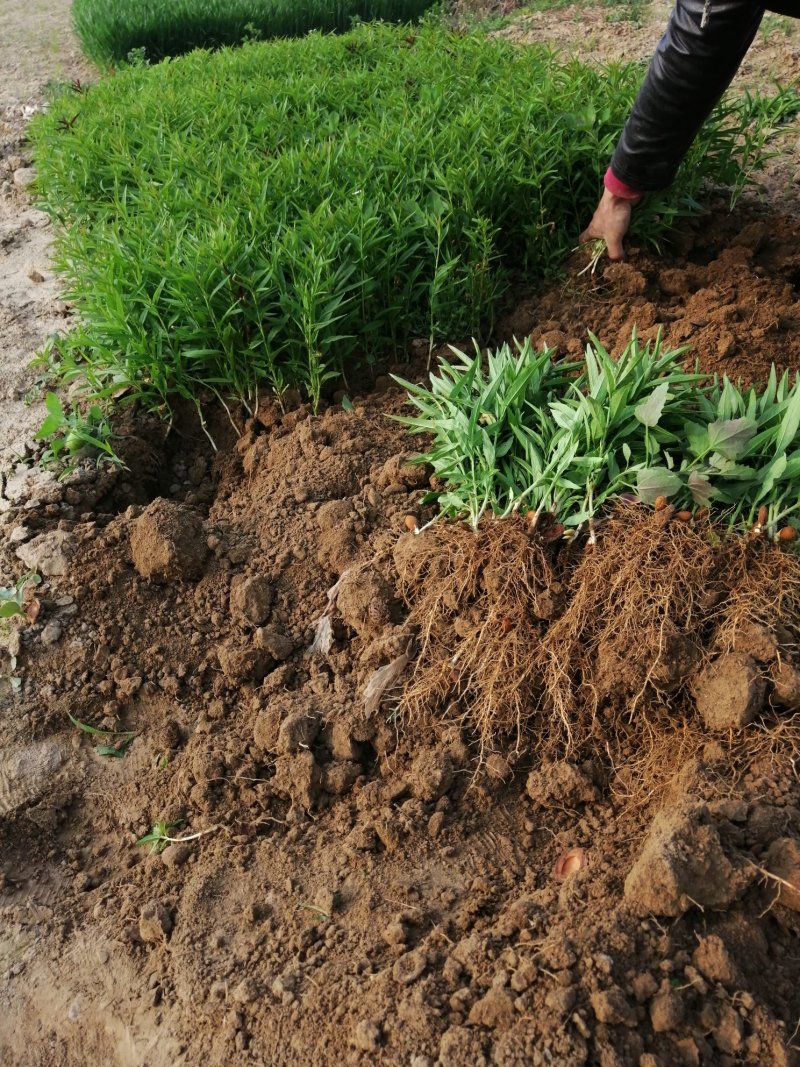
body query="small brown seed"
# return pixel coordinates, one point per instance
(569, 863)
(683, 516)
(411, 523)
(661, 503)
(762, 514)
(788, 533)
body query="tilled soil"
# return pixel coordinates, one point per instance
(362, 887)
(728, 287)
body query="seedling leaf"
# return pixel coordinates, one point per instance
(730, 437)
(649, 411)
(653, 482)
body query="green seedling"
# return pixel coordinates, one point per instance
(597, 249)
(520, 432)
(113, 33)
(375, 187)
(71, 433)
(12, 598)
(117, 750)
(159, 837)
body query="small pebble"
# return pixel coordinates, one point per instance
(52, 633)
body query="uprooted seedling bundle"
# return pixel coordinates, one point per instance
(531, 434)
(525, 639)
(558, 596)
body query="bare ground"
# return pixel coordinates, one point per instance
(36, 46)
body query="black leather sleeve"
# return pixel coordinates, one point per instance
(694, 63)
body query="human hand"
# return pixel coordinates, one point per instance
(610, 223)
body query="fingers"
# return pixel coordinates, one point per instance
(615, 249)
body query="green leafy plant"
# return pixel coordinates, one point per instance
(110, 30)
(523, 432)
(741, 455)
(492, 441)
(70, 433)
(117, 750)
(12, 597)
(158, 837)
(274, 215)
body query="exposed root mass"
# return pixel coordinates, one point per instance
(526, 643)
(482, 602)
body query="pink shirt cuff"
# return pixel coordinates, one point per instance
(620, 189)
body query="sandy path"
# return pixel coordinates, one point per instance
(36, 45)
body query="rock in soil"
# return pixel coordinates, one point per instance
(50, 554)
(52, 633)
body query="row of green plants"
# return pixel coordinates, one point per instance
(518, 431)
(274, 215)
(117, 31)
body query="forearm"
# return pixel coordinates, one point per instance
(692, 67)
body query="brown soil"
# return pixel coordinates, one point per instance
(364, 882)
(728, 287)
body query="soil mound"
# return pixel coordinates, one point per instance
(727, 287)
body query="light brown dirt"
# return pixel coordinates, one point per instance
(36, 46)
(363, 889)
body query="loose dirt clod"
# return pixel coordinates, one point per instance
(560, 785)
(155, 922)
(167, 542)
(251, 598)
(683, 864)
(729, 692)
